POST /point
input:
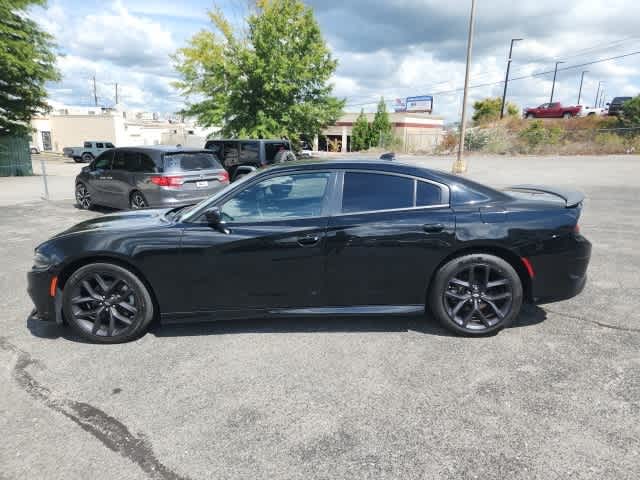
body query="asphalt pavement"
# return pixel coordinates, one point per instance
(557, 396)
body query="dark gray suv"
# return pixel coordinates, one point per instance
(159, 176)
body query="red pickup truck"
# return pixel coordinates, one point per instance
(552, 110)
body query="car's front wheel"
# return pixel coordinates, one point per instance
(106, 303)
(476, 294)
(83, 197)
(530, 116)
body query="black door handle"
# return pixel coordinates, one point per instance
(433, 227)
(308, 240)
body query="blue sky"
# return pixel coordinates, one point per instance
(393, 48)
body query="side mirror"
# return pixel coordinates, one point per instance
(215, 220)
(608, 104)
(388, 156)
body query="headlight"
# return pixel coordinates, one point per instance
(41, 262)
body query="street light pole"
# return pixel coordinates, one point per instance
(506, 77)
(460, 165)
(580, 90)
(553, 87)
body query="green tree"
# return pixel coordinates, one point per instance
(360, 133)
(272, 81)
(26, 63)
(380, 130)
(631, 112)
(488, 110)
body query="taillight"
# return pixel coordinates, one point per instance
(223, 176)
(166, 181)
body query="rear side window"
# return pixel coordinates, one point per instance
(190, 161)
(145, 164)
(428, 194)
(99, 145)
(271, 150)
(214, 147)
(249, 152)
(363, 192)
(230, 154)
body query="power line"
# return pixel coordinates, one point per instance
(520, 68)
(538, 74)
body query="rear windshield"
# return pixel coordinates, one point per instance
(190, 161)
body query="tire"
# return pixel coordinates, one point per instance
(530, 116)
(566, 115)
(137, 201)
(87, 157)
(477, 311)
(77, 159)
(34, 151)
(122, 313)
(83, 197)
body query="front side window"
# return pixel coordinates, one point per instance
(109, 145)
(279, 198)
(103, 162)
(271, 149)
(363, 192)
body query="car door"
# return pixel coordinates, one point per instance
(272, 255)
(99, 178)
(122, 172)
(387, 239)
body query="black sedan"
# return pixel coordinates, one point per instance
(318, 238)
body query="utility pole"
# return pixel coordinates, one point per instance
(116, 84)
(95, 92)
(601, 98)
(553, 87)
(460, 165)
(595, 104)
(580, 90)
(506, 77)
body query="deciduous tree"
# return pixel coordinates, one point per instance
(488, 110)
(27, 62)
(270, 79)
(381, 127)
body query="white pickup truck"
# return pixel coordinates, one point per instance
(88, 151)
(590, 111)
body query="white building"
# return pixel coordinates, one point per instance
(67, 126)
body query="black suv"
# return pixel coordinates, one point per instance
(615, 107)
(241, 157)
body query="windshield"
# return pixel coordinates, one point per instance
(190, 161)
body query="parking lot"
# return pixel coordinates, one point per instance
(557, 396)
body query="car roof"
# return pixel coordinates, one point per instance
(452, 181)
(162, 149)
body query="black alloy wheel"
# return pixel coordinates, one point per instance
(476, 294)
(83, 197)
(138, 201)
(106, 303)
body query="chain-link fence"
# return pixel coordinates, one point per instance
(15, 157)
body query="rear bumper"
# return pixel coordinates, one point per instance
(46, 307)
(165, 197)
(562, 275)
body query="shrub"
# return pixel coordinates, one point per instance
(448, 143)
(475, 139)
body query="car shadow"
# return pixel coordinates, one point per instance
(529, 316)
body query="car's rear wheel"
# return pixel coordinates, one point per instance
(83, 197)
(137, 201)
(87, 157)
(566, 115)
(106, 303)
(530, 116)
(476, 294)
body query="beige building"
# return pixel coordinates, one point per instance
(417, 132)
(69, 127)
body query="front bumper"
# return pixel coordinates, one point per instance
(47, 308)
(561, 275)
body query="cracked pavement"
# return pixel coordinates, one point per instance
(555, 396)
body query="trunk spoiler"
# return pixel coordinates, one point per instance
(572, 198)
